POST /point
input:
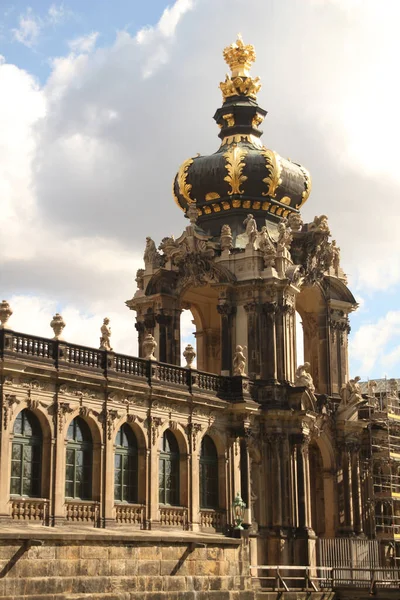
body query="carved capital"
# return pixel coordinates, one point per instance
(9, 401)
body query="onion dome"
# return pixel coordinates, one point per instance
(243, 175)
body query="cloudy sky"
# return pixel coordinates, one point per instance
(100, 102)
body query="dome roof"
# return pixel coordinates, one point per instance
(242, 175)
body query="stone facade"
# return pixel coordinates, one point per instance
(149, 456)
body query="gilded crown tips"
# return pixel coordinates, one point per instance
(239, 58)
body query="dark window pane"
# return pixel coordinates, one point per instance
(16, 451)
(15, 486)
(18, 424)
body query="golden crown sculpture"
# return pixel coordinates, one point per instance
(239, 57)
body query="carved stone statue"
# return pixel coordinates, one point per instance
(335, 256)
(57, 324)
(372, 385)
(351, 392)
(5, 313)
(239, 361)
(150, 255)
(149, 345)
(192, 214)
(295, 221)
(189, 355)
(139, 279)
(320, 225)
(226, 238)
(267, 247)
(285, 236)
(105, 340)
(304, 378)
(251, 229)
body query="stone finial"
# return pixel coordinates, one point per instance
(295, 221)
(226, 238)
(57, 324)
(251, 230)
(105, 339)
(304, 378)
(149, 345)
(239, 361)
(5, 313)
(189, 355)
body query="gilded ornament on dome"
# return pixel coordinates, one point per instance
(234, 165)
(274, 167)
(285, 200)
(256, 205)
(230, 119)
(241, 137)
(246, 204)
(266, 205)
(239, 56)
(212, 196)
(240, 86)
(257, 120)
(226, 205)
(216, 207)
(184, 188)
(236, 203)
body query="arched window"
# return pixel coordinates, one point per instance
(78, 472)
(26, 456)
(168, 479)
(126, 466)
(208, 474)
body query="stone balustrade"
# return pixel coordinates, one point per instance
(212, 519)
(62, 353)
(174, 516)
(132, 514)
(82, 512)
(28, 509)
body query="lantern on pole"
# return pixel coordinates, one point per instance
(239, 507)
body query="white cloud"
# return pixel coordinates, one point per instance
(372, 345)
(57, 14)
(85, 43)
(28, 30)
(31, 25)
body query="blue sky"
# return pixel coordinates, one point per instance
(98, 96)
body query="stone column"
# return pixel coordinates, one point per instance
(253, 338)
(164, 346)
(153, 444)
(226, 311)
(57, 509)
(285, 339)
(303, 482)
(108, 469)
(8, 401)
(347, 525)
(269, 349)
(141, 329)
(356, 490)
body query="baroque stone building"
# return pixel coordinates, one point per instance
(93, 438)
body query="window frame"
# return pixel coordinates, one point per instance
(35, 442)
(204, 478)
(166, 457)
(130, 452)
(86, 448)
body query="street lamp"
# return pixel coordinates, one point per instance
(238, 511)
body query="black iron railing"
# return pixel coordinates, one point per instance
(66, 355)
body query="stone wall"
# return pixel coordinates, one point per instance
(94, 567)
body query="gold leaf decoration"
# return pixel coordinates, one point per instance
(285, 200)
(234, 165)
(184, 188)
(274, 167)
(212, 196)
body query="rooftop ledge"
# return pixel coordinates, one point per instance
(69, 534)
